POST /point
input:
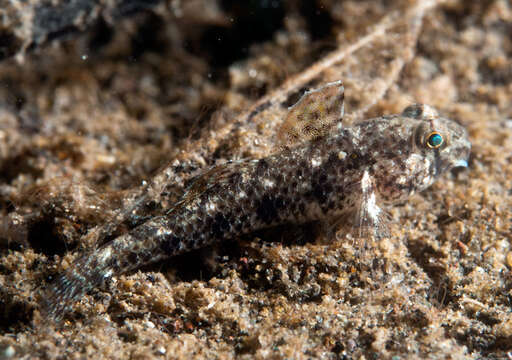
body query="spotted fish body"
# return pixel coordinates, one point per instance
(348, 172)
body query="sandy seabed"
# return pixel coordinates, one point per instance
(90, 113)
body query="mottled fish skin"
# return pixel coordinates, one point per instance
(350, 171)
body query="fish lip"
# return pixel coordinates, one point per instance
(460, 163)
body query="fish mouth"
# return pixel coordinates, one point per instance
(442, 168)
(460, 163)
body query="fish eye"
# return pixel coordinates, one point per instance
(435, 140)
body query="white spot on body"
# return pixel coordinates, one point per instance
(342, 155)
(356, 135)
(401, 179)
(268, 184)
(163, 232)
(316, 162)
(211, 206)
(105, 254)
(413, 161)
(427, 180)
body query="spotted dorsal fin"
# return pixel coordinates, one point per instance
(314, 115)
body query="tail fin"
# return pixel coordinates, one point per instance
(90, 271)
(129, 251)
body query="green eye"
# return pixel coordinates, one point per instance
(434, 140)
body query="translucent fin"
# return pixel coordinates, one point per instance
(313, 115)
(371, 219)
(364, 222)
(88, 272)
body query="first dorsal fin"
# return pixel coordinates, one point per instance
(313, 116)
